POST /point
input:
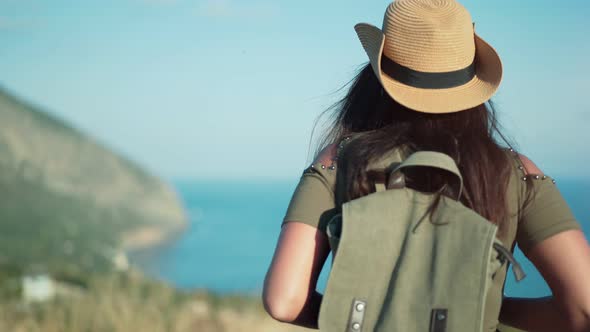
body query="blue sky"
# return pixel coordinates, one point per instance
(231, 88)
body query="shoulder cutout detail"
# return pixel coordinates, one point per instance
(327, 156)
(530, 170)
(529, 167)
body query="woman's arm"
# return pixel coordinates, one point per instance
(564, 262)
(289, 288)
(289, 293)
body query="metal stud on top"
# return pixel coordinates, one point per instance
(360, 307)
(525, 175)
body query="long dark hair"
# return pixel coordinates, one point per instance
(470, 137)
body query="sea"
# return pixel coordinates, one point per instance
(233, 230)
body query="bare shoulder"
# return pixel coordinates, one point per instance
(327, 155)
(528, 165)
(331, 152)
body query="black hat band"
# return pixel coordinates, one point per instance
(426, 80)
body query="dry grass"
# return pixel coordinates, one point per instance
(126, 303)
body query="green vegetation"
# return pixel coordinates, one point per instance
(52, 232)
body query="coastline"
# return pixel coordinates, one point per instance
(151, 237)
(141, 244)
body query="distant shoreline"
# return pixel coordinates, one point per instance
(151, 237)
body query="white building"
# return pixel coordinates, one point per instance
(38, 288)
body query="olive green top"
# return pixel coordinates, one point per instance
(543, 214)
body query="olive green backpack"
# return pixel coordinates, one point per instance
(398, 266)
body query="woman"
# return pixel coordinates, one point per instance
(426, 88)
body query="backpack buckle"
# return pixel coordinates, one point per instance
(438, 320)
(505, 254)
(396, 180)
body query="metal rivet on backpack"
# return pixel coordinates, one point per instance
(524, 178)
(356, 326)
(323, 166)
(537, 177)
(553, 181)
(441, 316)
(360, 307)
(312, 166)
(544, 177)
(520, 168)
(511, 150)
(332, 167)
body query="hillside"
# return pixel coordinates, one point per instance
(65, 199)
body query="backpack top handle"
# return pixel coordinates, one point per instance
(431, 159)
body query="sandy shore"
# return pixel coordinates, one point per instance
(151, 236)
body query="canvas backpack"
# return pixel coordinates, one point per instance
(398, 266)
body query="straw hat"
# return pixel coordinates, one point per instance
(428, 57)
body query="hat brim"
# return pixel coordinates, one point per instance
(480, 89)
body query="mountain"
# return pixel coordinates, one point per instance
(66, 201)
